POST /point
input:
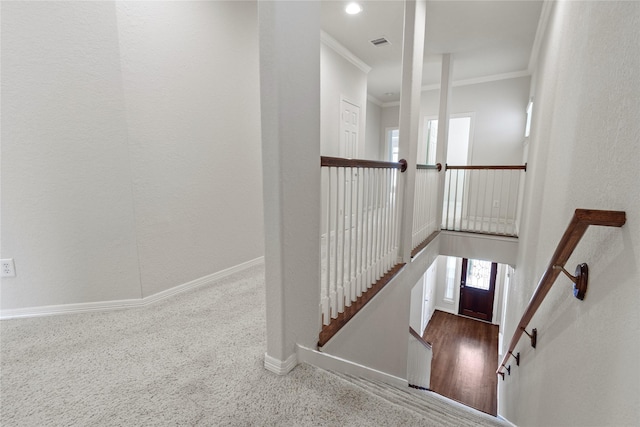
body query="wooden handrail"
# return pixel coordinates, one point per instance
(581, 220)
(359, 163)
(488, 167)
(437, 166)
(417, 336)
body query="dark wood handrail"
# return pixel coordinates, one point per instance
(437, 166)
(488, 167)
(339, 162)
(581, 220)
(417, 336)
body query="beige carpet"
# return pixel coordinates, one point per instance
(196, 359)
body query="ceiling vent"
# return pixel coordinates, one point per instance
(380, 41)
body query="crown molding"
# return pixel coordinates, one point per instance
(391, 104)
(484, 79)
(344, 52)
(543, 22)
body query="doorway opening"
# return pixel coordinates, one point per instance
(458, 143)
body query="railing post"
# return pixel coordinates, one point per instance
(443, 129)
(410, 99)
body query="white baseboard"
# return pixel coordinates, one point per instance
(503, 419)
(337, 364)
(85, 307)
(280, 367)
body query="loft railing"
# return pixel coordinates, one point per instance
(581, 220)
(425, 206)
(359, 234)
(482, 199)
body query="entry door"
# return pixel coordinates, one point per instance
(477, 288)
(349, 129)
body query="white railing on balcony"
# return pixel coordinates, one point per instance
(419, 361)
(425, 206)
(359, 229)
(482, 199)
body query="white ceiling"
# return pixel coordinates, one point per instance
(485, 38)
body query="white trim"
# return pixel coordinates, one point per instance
(541, 30)
(484, 79)
(337, 364)
(280, 367)
(391, 104)
(503, 419)
(86, 307)
(344, 52)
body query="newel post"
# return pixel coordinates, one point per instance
(410, 103)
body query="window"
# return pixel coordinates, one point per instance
(479, 274)
(393, 138)
(450, 279)
(459, 142)
(527, 128)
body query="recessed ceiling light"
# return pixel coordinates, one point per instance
(353, 8)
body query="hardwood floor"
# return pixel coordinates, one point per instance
(465, 358)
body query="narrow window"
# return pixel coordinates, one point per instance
(451, 277)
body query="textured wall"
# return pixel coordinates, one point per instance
(584, 153)
(130, 147)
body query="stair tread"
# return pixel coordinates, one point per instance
(425, 403)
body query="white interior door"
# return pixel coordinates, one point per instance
(349, 129)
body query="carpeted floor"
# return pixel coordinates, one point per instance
(195, 359)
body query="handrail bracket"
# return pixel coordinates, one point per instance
(533, 335)
(516, 356)
(580, 279)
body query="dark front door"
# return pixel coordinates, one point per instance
(477, 288)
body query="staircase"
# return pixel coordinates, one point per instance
(438, 409)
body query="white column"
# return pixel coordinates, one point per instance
(443, 128)
(410, 99)
(290, 112)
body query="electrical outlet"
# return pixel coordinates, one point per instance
(496, 203)
(8, 268)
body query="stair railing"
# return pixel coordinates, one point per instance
(360, 234)
(425, 207)
(581, 220)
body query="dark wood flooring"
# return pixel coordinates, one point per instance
(465, 358)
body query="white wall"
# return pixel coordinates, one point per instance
(340, 79)
(584, 153)
(373, 149)
(499, 109)
(130, 147)
(415, 309)
(499, 117)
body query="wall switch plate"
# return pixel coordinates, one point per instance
(7, 268)
(496, 203)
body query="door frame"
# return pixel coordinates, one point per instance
(492, 289)
(340, 124)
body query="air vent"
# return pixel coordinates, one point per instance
(380, 41)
